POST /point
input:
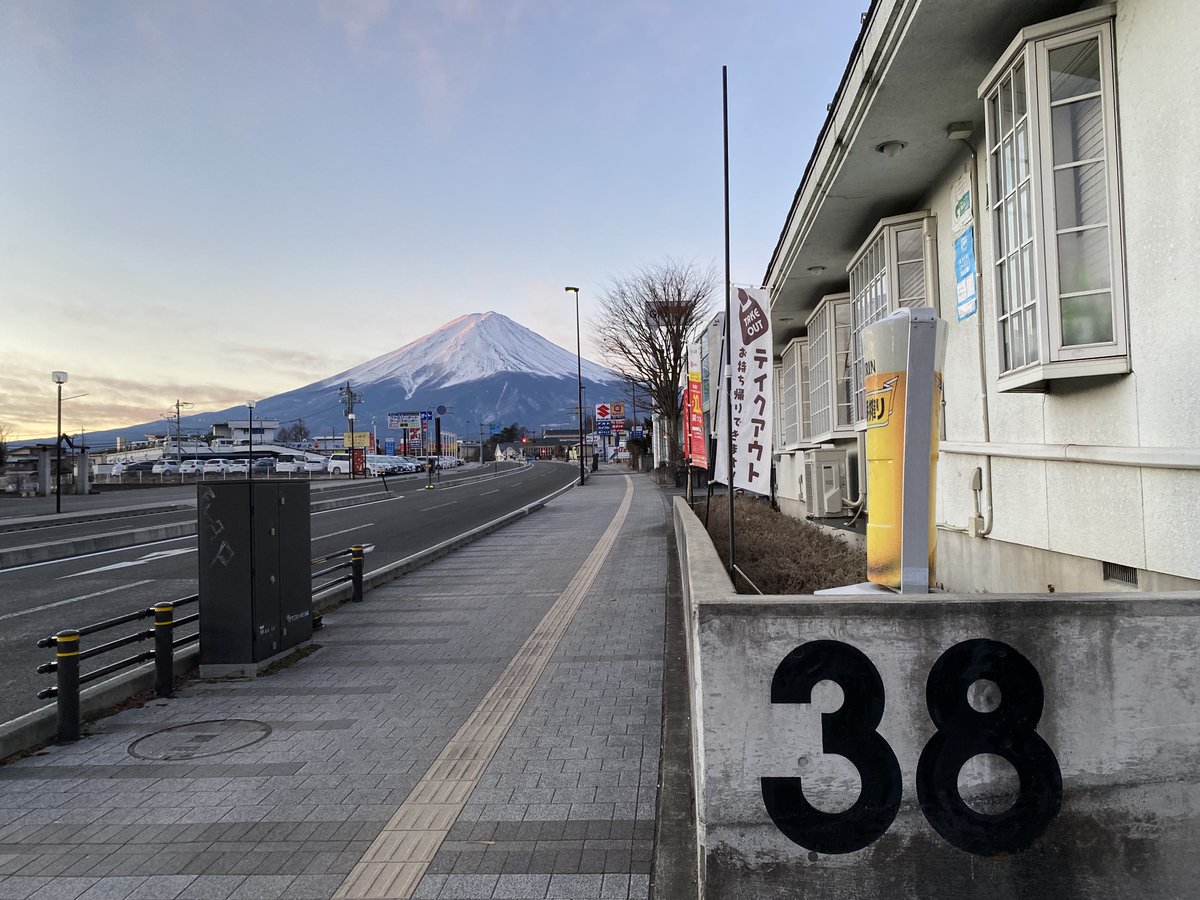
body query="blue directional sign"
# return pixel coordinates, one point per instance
(427, 415)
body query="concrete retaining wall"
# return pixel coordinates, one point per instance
(973, 786)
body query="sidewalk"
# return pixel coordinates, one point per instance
(487, 726)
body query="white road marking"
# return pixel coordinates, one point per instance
(33, 609)
(485, 493)
(148, 558)
(67, 559)
(439, 506)
(343, 531)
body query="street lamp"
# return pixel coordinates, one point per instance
(578, 377)
(60, 378)
(250, 452)
(350, 417)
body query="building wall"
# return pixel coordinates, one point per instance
(1132, 516)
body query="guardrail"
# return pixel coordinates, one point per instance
(68, 654)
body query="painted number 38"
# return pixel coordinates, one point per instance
(962, 732)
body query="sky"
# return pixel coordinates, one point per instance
(221, 200)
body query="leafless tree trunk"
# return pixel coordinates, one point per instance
(643, 327)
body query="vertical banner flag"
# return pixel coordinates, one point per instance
(697, 440)
(750, 346)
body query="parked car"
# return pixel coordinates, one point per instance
(339, 464)
(290, 464)
(239, 467)
(216, 467)
(165, 467)
(142, 467)
(191, 467)
(264, 466)
(315, 464)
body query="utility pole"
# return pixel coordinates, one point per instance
(349, 397)
(179, 405)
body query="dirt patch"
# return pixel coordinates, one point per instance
(780, 554)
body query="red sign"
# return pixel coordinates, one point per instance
(602, 411)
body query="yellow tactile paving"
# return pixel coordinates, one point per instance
(396, 860)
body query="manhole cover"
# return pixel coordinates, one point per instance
(198, 739)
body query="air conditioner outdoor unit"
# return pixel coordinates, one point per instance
(824, 482)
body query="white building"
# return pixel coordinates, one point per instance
(1061, 132)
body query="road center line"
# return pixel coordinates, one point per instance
(439, 506)
(113, 590)
(344, 531)
(485, 493)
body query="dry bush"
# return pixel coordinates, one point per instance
(781, 554)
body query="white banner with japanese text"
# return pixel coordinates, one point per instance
(751, 393)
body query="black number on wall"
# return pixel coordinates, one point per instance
(848, 732)
(1007, 731)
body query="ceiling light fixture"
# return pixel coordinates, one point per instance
(815, 270)
(890, 148)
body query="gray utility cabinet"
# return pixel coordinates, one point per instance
(255, 564)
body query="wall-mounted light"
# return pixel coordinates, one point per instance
(815, 270)
(890, 148)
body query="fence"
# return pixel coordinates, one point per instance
(69, 655)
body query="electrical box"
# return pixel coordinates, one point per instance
(824, 482)
(255, 573)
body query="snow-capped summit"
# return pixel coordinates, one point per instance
(471, 348)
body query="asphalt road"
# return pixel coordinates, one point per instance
(40, 599)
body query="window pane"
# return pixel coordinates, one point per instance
(1079, 196)
(1024, 215)
(994, 118)
(1008, 165)
(908, 244)
(911, 278)
(1010, 224)
(1022, 153)
(1087, 319)
(1000, 288)
(1078, 131)
(1018, 342)
(1019, 91)
(1027, 275)
(1075, 70)
(1006, 118)
(1083, 261)
(1031, 336)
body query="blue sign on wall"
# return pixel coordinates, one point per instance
(964, 274)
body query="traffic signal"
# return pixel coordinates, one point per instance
(524, 440)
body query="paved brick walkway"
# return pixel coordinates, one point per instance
(487, 726)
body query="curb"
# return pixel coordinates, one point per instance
(41, 725)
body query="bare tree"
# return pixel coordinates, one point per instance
(5, 434)
(643, 327)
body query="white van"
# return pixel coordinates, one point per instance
(339, 463)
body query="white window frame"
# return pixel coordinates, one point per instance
(1028, 55)
(874, 273)
(829, 370)
(793, 400)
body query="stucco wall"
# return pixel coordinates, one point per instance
(1119, 724)
(1135, 517)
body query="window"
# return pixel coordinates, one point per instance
(1057, 254)
(889, 271)
(829, 368)
(794, 403)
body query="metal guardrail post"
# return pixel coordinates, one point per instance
(356, 561)
(68, 684)
(164, 653)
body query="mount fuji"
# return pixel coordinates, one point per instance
(484, 367)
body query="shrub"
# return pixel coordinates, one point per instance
(781, 554)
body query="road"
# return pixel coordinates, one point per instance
(40, 599)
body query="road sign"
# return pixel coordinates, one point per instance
(427, 415)
(442, 410)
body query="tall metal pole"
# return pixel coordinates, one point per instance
(58, 456)
(728, 315)
(579, 379)
(250, 451)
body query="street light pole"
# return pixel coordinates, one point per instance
(578, 378)
(60, 378)
(352, 443)
(250, 452)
